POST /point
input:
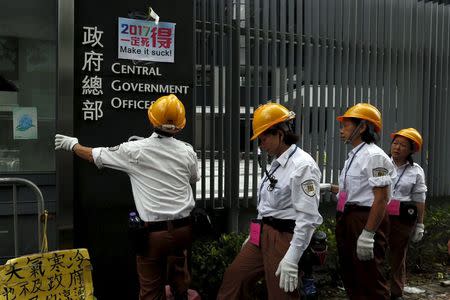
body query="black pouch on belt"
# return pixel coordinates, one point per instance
(408, 211)
(138, 236)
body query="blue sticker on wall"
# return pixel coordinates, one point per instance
(25, 123)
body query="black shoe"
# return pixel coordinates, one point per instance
(396, 298)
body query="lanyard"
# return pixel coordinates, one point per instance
(349, 165)
(268, 175)
(401, 175)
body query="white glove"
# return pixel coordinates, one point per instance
(288, 272)
(364, 246)
(65, 142)
(245, 242)
(418, 233)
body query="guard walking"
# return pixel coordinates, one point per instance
(288, 201)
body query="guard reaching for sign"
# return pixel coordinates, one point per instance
(161, 170)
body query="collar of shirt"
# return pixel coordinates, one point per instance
(399, 167)
(354, 150)
(155, 135)
(283, 158)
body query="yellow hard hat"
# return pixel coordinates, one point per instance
(412, 134)
(267, 115)
(167, 113)
(364, 111)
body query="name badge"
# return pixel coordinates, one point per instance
(255, 232)
(393, 208)
(341, 201)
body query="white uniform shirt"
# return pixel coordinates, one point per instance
(371, 167)
(411, 186)
(295, 195)
(161, 170)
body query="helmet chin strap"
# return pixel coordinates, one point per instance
(280, 141)
(355, 131)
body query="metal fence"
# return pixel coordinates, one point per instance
(317, 57)
(14, 214)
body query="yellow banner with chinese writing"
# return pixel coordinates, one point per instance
(64, 274)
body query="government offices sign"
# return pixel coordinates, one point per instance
(138, 40)
(125, 61)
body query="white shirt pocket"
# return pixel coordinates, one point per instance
(354, 179)
(405, 186)
(280, 197)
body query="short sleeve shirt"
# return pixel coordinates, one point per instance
(161, 171)
(295, 196)
(371, 167)
(411, 185)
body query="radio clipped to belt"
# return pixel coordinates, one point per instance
(137, 233)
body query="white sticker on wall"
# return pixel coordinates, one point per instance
(146, 40)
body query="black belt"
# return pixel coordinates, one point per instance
(353, 208)
(165, 225)
(282, 225)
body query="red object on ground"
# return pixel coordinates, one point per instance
(192, 294)
(448, 247)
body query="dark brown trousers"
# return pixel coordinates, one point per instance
(252, 263)
(363, 280)
(166, 263)
(399, 237)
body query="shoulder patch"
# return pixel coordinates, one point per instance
(309, 188)
(379, 172)
(115, 148)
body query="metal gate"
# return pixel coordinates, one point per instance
(15, 228)
(317, 57)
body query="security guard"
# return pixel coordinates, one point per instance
(364, 190)
(288, 201)
(406, 208)
(161, 170)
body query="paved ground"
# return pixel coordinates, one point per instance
(432, 290)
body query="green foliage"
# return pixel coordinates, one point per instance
(431, 251)
(210, 258)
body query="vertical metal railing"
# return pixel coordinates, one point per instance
(318, 58)
(14, 182)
